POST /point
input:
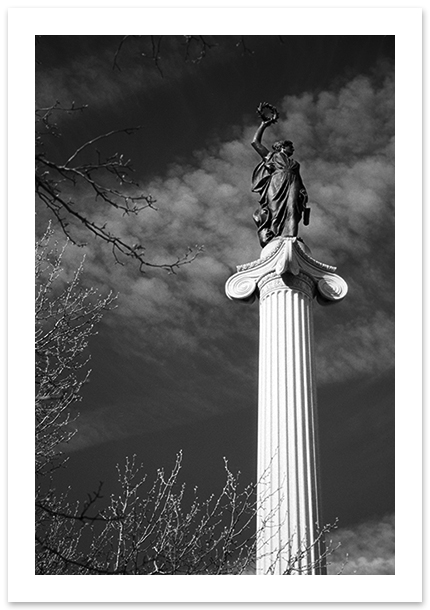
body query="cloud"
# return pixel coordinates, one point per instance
(366, 549)
(359, 347)
(87, 75)
(83, 76)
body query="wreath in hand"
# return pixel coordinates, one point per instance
(267, 112)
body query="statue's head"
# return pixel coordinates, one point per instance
(280, 144)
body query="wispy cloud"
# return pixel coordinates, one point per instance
(366, 549)
(93, 76)
(90, 78)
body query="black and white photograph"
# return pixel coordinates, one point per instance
(215, 305)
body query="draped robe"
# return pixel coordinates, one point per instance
(282, 196)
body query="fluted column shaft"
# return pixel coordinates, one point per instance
(286, 278)
(289, 514)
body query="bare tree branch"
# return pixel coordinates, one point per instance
(155, 531)
(64, 322)
(117, 52)
(202, 47)
(243, 46)
(101, 177)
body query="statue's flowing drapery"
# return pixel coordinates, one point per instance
(282, 196)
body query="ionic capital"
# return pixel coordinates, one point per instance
(288, 259)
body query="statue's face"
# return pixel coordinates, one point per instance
(288, 148)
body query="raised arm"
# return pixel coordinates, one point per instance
(256, 141)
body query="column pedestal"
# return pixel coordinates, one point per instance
(286, 279)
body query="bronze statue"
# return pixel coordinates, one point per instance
(277, 179)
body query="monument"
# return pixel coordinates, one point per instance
(286, 279)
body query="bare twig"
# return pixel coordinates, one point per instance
(100, 177)
(156, 45)
(242, 45)
(117, 52)
(65, 319)
(155, 531)
(202, 47)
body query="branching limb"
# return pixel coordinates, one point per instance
(66, 316)
(202, 46)
(100, 177)
(243, 46)
(117, 52)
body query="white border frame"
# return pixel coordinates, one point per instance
(405, 24)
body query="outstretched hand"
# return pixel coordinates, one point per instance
(265, 109)
(267, 122)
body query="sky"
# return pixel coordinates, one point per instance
(175, 365)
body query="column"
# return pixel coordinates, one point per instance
(286, 279)
(289, 514)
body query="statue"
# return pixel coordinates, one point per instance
(277, 179)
